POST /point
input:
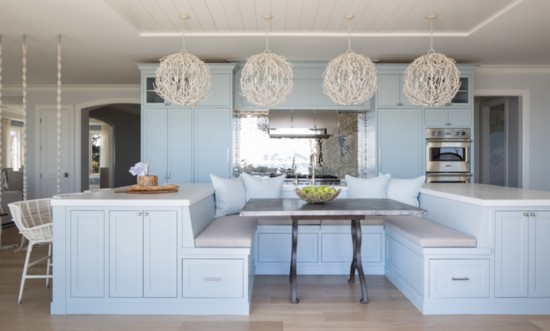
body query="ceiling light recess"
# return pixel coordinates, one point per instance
(433, 79)
(350, 79)
(182, 78)
(266, 78)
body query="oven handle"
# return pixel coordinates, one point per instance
(438, 140)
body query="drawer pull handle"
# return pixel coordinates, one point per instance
(460, 278)
(212, 279)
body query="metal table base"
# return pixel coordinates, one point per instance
(356, 263)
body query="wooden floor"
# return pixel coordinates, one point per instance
(326, 303)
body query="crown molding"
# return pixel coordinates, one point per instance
(513, 70)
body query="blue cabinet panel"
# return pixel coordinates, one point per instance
(87, 254)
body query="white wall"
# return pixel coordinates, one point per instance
(535, 80)
(75, 98)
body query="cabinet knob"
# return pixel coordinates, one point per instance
(400, 103)
(526, 214)
(138, 213)
(145, 214)
(532, 214)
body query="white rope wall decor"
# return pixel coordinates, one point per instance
(1, 60)
(266, 78)
(350, 79)
(59, 47)
(24, 106)
(433, 79)
(182, 78)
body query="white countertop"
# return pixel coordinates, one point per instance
(488, 195)
(187, 195)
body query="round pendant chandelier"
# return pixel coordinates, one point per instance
(433, 79)
(182, 78)
(266, 78)
(350, 79)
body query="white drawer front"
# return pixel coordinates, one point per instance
(459, 278)
(213, 278)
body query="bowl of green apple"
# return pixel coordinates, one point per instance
(317, 194)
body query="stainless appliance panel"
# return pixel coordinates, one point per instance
(448, 177)
(448, 156)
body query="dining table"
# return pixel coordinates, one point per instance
(343, 209)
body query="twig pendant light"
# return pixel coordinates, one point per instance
(182, 78)
(266, 78)
(350, 79)
(433, 79)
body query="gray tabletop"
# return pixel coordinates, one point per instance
(336, 207)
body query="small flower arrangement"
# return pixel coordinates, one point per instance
(141, 170)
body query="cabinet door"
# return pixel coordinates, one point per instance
(460, 117)
(511, 254)
(390, 91)
(539, 246)
(160, 248)
(400, 142)
(155, 140)
(441, 117)
(180, 146)
(125, 254)
(87, 254)
(213, 141)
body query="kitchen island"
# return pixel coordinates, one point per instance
(119, 253)
(122, 253)
(508, 272)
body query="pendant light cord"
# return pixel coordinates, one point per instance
(267, 19)
(431, 20)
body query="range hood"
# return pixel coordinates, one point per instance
(302, 123)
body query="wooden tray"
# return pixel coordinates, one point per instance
(134, 189)
(148, 192)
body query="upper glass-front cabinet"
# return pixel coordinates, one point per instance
(462, 97)
(151, 96)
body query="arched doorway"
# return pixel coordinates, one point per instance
(121, 136)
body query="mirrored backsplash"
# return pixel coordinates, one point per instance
(342, 153)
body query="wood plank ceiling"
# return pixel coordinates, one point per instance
(310, 17)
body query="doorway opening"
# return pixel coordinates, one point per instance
(111, 144)
(499, 148)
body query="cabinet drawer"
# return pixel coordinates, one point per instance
(459, 278)
(212, 278)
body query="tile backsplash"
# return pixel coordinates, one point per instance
(256, 153)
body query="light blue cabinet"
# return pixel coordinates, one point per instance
(522, 267)
(448, 117)
(390, 92)
(184, 144)
(307, 91)
(213, 141)
(87, 253)
(400, 142)
(142, 254)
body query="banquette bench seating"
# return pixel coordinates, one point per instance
(410, 242)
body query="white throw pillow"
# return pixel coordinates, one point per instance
(263, 187)
(368, 188)
(230, 195)
(405, 190)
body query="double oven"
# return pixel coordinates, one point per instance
(448, 155)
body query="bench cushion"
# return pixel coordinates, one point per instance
(426, 233)
(228, 232)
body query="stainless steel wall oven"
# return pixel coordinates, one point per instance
(448, 155)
